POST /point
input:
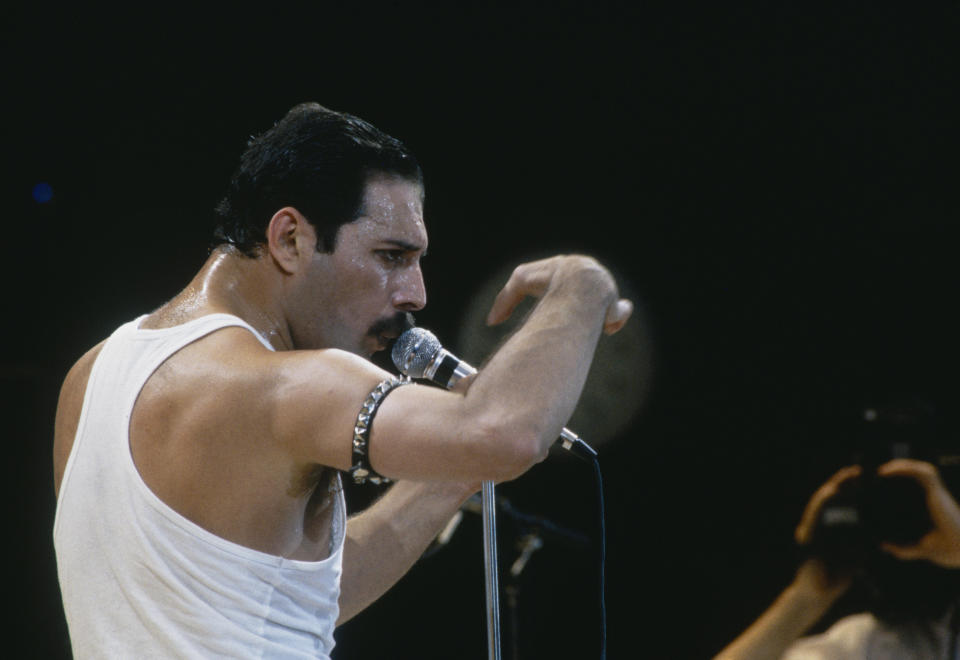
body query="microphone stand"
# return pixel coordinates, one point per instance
(490, 565)
(530, 543)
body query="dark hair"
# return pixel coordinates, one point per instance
(315, 160)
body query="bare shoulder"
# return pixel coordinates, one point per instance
(297, 406)
(69, 405)
(303, 403)
(313, 398)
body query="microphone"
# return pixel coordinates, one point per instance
(417, 353)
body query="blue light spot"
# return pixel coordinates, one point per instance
(42, 193)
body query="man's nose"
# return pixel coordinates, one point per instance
(411, 292)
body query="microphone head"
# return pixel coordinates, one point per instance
(413, 351)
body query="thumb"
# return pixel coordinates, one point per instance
(617, 315)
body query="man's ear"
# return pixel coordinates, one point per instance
(290, 238)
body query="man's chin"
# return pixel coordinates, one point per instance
(373, 345)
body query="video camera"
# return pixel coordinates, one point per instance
(871, 509)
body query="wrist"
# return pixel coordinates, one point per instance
(586, 278)
(813, 589)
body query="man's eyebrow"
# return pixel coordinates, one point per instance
(407, 247)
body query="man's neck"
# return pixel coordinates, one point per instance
(231, 283)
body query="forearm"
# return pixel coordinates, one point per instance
(794, 612)
(533, 382)
(385, 540)
(514, 409)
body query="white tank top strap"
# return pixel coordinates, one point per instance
(204, 325)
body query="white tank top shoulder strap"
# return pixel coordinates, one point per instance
(204, 325)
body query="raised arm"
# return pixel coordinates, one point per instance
(515, 408)
(804, 601)
(505, 422)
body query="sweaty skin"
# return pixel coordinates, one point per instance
(239, 439)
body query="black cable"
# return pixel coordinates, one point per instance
(571, 536)
(954, 629)
(603, 562)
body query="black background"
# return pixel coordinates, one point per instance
(774, 182)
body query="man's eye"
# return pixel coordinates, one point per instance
(391, 256)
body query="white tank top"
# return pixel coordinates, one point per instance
(141, 581)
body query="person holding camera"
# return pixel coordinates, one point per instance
(820, 581)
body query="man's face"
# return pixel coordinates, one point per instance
(357, 297)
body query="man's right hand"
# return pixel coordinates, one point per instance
(536, 277)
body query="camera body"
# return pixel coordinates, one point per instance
(867, 511)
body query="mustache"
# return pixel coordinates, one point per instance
(392, 326)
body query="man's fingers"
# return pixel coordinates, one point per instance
(921, 471)
(503, 306)
(526, 280)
